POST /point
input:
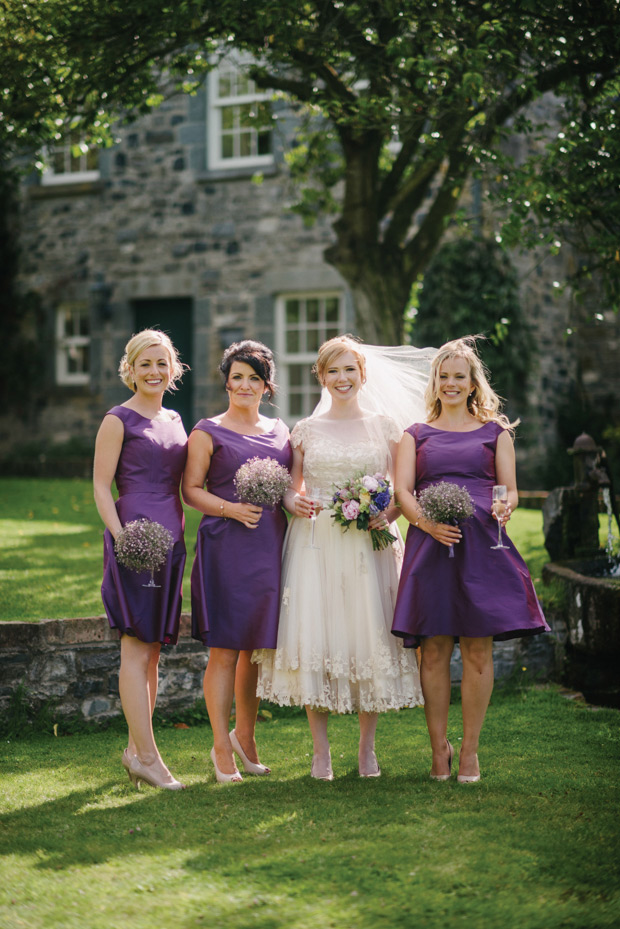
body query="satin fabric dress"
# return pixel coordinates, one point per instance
(148, 477)
(236, 571)
(479, 592)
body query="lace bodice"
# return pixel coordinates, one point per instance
(335, 450)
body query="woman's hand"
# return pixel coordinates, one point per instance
(305, 507)
(443, 532)
(505, 515)
(246, 513)
(380, 521)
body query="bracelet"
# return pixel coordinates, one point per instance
(222, 510)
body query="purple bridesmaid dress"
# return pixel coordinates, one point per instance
(147, 478)
(479, 592)
(236, 572)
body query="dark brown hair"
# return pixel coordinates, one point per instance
(257, 356)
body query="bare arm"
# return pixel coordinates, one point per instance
(200, 451)
(506, 472)
(294, 501)
(404, 481)
(392, 512)
(108, 447)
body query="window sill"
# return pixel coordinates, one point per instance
(236, 174)
(70, 189)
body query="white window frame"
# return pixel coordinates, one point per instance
(303, 357)
(67, 343)
(216, 104)
(65, 146)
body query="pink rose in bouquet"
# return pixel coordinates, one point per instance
(359, 499)
(351, 509)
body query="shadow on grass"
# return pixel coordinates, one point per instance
(531, 845)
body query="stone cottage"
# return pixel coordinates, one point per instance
(184, 225)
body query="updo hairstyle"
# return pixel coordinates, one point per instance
(332, 349)
(138, 343)
(257, 356)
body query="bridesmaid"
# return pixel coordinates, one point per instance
(236, 572)
(478, 595)
(143, 447)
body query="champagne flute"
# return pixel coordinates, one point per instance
(314, 501)
(500, 502)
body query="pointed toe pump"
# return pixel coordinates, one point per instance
(234, 778)
(445, 777)
(250, 767)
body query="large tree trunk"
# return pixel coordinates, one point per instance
(377, 276)
(380, 291)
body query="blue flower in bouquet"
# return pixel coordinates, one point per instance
(360, 498)
(382, 499)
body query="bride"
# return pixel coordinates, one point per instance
(335, 651)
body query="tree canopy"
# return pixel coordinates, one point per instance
(400, 102)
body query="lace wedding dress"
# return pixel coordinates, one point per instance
(335, 650)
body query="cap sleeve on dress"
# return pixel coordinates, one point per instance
(300, 433)
(391, 429)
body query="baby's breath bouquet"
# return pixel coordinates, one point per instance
(143, 545)
(446, 503)
(360, 498)
(262, 481)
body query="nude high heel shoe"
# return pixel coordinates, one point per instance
(126, 761)
(328, 776)
(445, 777)
(375, 773)
(250, 767)
(468, 778)
(139, 773)
(221, 778)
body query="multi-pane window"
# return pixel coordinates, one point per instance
(72, 344)
(239, 119)
(304, 322)
(71, 161)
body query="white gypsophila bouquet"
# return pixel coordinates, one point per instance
(445, 502)
(262, 481)
(143, 545)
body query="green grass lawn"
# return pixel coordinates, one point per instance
(534, 845)
(51, 548)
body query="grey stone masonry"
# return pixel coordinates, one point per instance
(74, 663)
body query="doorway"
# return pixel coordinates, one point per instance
(172, 315)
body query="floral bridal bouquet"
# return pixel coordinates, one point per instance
(262, 481)
(359, 499)
(143, 545)
(446, 503)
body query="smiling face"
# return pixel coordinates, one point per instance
(343, 378)
(245, 387)
(151, 370)
(454, 383)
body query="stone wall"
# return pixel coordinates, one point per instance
(159, 225)
(74, 664)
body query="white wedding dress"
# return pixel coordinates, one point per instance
(335, 649)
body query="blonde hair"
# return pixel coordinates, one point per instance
(332, 349)
(483, 403)
(138, 343)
